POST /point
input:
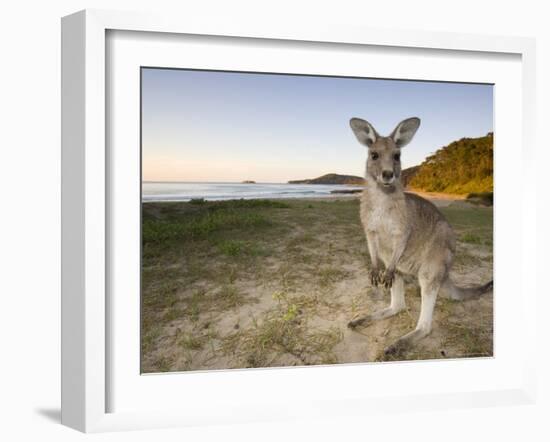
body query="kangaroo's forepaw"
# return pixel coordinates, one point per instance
(388, 277)
(375, 277)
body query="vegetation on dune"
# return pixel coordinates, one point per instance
(464, 166)
(408, 174)
(332, 178)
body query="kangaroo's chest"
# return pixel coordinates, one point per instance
(385, 217)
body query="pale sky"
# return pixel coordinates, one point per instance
(225, 126)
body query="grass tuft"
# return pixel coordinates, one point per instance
(471, 238)
(231, 247)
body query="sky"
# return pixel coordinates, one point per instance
(229, 127)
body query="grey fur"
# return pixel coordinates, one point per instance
(406, 234)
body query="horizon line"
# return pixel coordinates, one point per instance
(227, 182)
(244, 181)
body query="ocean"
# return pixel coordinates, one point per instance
(157, 191)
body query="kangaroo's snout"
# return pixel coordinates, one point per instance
(387, 175)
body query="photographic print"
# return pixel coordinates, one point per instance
(293, 220)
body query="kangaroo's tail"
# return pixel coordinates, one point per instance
(466, 293)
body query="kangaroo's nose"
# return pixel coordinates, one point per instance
(387, 174)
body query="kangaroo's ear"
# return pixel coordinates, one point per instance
(364, 131)
(404, 132)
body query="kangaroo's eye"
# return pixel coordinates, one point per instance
(374, 155)
(396, 156)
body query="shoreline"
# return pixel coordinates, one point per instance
(439, 199)
(272, 198)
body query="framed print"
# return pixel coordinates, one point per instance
(249, 214)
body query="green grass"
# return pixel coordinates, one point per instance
(231, 247)
(473, 225)
(239, 248)
(199, 226)
(471, 217)
(168, 228)
(471, 238)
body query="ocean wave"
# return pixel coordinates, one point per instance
(220, 191)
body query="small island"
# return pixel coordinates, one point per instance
(248, 182)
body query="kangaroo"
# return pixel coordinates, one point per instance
(405, 233)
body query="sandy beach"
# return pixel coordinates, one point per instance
(267, 283)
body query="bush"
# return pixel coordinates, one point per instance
(462, 167)
(485, 198)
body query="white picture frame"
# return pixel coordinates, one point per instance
(86, 205)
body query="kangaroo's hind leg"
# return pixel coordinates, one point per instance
(430, 281)
(397, 304)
